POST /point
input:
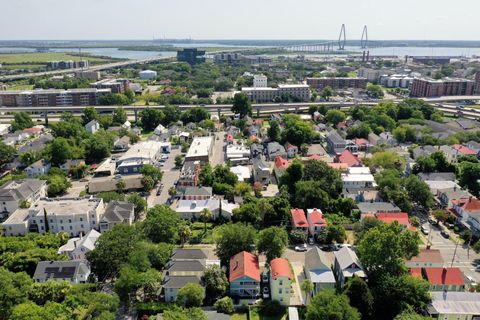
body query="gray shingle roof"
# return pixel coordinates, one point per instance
(20, 189)
(315, 259)
(345, 257)
(118, 211)
(198, 191)
(186, 265)
(57, 270)
(189, 254)
(177, 282)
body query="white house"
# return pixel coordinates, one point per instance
(13, 193)
(38, 168)
(76, 248)
(72, 271)
(358, 178)
(92, 127)
(243, 173)
(147, 74)
(191, 209)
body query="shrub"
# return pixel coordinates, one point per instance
(224, 305)
(271, 308)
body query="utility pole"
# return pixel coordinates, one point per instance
(454, 253)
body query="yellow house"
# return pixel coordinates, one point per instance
(280, 281)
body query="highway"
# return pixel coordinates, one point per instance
(91, 68)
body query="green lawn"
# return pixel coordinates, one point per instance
(199, 235)
(43, 57)
(12, 176)
(238, 316)
(255, 315)
(20, 87)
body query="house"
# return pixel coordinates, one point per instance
(347, 265)
(280, 166)
(318, 270)
(374, 139)
(184, 137)
(357, 178)
(452, 153)
(185, 268)
(369, 196)
(390, 217)
(38, 168)
(14, 193)
(346, 156)
(197, 193)
(172, 284)
(117, 212)
(388, 138)
(76, 248)
(376, 207)
(436, 176)
(92, 127)
(275, 149)
(141, 153)
(200, 149)
(469, 212)
(423, 151)
(446, 197)
(261, 171)
(444, 279)
(454, 305)
(69, 165)
(256, 150)
(122, 144)
(299, 221)
(362, 144)
(75, 271)
(281, 281)
(336, 144)
(191, 209)
(291, 150)
(426, 258)
(244, 275)
(316, 222)
(242, 173)
(160, 129)
(234, 131)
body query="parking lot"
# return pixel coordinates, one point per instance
(464, 258)
(170, 175)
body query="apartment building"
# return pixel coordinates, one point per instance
(14, 193)
(268, 94)
(115, 85)
(337, 83)
(427, 87)
(52, 97)
(74, 216)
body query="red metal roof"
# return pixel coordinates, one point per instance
(298, 218)
(281, 163)
(390, 217)
(316, 218)
(428, 255)
(349, 158)
(244, 264)
(279, 267)
(447, 276)
(463, 150)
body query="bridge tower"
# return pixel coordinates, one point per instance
(342, 38)
(364, 40)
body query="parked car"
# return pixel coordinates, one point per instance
(477, 268)
(425, 230)
(471, 281)
(264, 277)
(445, 234)
(301, 248)
(433, 222)
(266, 293)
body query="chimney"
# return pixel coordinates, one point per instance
(470, 199)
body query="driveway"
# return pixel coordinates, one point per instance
(463, 257)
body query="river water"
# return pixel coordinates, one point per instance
(126, 54)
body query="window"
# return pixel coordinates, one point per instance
(71, 228)
(62, 228)
(280, 291)
(281, 282)
(69, 220)
(81, 219)
(61, 220)
(81, 225)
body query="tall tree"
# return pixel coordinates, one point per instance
(274, 130)
(216, 283)
(161, 224)
(7, 153)
(205, 216)
(272, 242)
(89, 114)
(22, 120)
(360, 296)
(242, 104)
(231, 239)
(119, 116)
(328, 305)
(191, 295)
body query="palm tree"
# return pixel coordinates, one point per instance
(185, 233)
(205, 215)
(307, 287)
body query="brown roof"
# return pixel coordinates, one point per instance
(428, 255)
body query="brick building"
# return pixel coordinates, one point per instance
(51, 98)
(337, 83)
(444, 87)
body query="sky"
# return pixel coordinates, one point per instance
(245, 19)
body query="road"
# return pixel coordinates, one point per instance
(463, 257)
(170, 175)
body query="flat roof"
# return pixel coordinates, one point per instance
(455, 303)
(200, 147)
